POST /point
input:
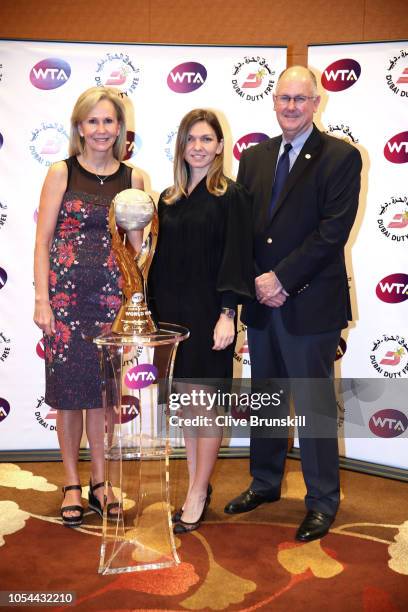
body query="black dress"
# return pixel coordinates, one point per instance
(84, 287)
(203, 261)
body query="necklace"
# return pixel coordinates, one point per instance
(102, 179)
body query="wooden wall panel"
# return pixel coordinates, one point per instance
(386, 20)
(85, 20)
(240, 22)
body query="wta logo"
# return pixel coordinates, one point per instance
(128, 410)
(341, 349)
(4, 409)
(141, 376)
(187, 77)
(50, 73)
(341, 75)
(393, 288)
(396, 149)
(388, 423)
(249, 140)
(133, 145)
(3, 277)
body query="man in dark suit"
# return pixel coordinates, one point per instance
(305, 188)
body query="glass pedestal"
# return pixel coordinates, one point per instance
(136, 373)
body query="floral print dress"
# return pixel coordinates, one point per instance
(84, 287)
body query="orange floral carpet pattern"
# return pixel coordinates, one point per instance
(247, 563)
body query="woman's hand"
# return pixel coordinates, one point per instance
(44, 317)
(224, 333)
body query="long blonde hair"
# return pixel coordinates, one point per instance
(83, 106)
(216, 181)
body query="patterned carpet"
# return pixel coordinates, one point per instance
(247, 563)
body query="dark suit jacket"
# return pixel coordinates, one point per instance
(303, 241)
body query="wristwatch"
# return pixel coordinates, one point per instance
(229, 312)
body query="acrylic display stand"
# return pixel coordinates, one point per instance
(136, 374)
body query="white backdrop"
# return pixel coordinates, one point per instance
(364, 90)
(39, 83)
(365, 97)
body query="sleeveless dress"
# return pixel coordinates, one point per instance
(203, 262)
(84, 287)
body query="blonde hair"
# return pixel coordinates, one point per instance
(216, 181)
(84, 105)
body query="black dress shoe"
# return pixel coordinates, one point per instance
(248, 500)
(315, 525)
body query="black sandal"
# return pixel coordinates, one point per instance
(72, 521)
(95, 505)
(176, 516)
(184, 527)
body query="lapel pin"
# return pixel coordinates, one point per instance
(307, 156)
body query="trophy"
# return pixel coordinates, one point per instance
(133, 209)
(137, 360)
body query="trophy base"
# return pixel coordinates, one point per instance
(136, 375)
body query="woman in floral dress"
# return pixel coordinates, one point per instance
(77, 282)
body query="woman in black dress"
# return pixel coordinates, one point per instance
(77, 283)
(201, 271)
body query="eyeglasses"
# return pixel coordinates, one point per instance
(298, 100)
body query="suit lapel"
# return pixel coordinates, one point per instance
(306, 156)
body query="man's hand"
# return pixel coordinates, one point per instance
(275, 302)
(269, 290)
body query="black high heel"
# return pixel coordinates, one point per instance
(176, 516)
(72, 521)
(181, 526)
(95, 505)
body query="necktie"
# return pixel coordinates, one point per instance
(282, 171)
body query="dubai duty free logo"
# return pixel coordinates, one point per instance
(5, 347)
(50, 73)
(170, 143)
(117, 70)
(392, 220)
(393, 288)
(45, 415)
(341, 75)
(3, 214)
(186, 77)
(396, 148)
(252, 78)
(241, 352)
(49, 143)
(389, 356)
(343, 130)
(396, 76)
